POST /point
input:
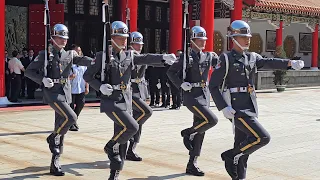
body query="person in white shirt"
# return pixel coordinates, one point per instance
(15, 67)
(79, 88)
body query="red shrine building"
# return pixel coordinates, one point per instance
(291, 24)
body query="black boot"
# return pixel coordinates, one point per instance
(61, 144)
(112, 149)
(131, 154)
(55, 168)
(114, 175)
(187, 138)
(54, 143)
(231, 162)
(74, 127)
(192, 167)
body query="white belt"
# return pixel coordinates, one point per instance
(199, 84)
(60, 81)
(238, 89)
(120, 87)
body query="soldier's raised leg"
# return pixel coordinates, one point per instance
(256, 138)
(239, 137)
(204, 119)
(192, 166)
(141, 113)
(124, 128)
(64, 118)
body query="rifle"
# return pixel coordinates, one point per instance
(47, 36)
(186, 37)
(128, 22)
(107, 47)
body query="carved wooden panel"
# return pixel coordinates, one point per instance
(16, 28)
(256, 43)
(218, 42)
(290, 46)
(93, 7)
(79, 7)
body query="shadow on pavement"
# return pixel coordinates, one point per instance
(36, 171)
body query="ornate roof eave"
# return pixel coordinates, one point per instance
(274, 17)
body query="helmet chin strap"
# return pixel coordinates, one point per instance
(238, 44)
(135, 50)
(200, 49)
(119, 47)
(55, 43)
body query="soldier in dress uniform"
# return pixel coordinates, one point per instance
(235, 72)
(57, 88)
(141, 110)
(196, 95)
(116, 99)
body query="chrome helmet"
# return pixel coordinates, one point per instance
(60, 30)
(239, 28)
(198, 32)
(136, 38)
(119, 28)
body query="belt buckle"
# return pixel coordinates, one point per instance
(250, 89)
(123, 87)
(203, 84)
(63, 81)
(137, 80)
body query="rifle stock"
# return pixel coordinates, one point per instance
(107, 48)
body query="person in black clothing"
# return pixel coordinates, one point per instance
(7, 74)
(175, 92)
(31, 86)
(153, 76)
(25, 62)
(165, 91)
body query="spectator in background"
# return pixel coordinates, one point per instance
(176, 93)
(25, 62)
(31, 86)
(7, 74)
(153, 77)
(165, 91)
(79, 88)
(16, 68)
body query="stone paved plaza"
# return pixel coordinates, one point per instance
(292, 118)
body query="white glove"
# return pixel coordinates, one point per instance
(186, 86)
(106, 89)
(169, 58)
(228, 112)
(297, 64)
(47, 82)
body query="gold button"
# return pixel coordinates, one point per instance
(234, 99)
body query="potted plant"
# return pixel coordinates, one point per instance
(280, 76)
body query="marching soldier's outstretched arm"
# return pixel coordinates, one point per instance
(271, 63)
(174, 72)
(148, 59)
(34, 67)
(216, 81)
(81, 61)
(92, 70)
